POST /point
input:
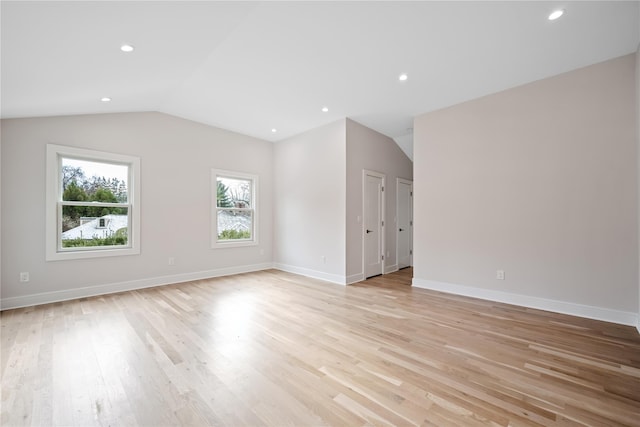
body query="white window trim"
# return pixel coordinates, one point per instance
(215, 243)
(54, 251)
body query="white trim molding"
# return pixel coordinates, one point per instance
(564, 307)
(110, 288)
(253, 209)
(328, 277)
(403, 181)
(54, 250)
(355, 278)
(390, 268)
(383, 229)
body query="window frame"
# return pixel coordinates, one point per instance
(217, 243)
(54, 204)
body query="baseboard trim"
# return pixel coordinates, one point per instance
(355, 278)
(587, 311)
(390, 268)
(328, 277)
(110, 288)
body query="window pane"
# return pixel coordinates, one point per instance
(81, 229)
(74, 216)
(235, 225)
(233, 193)
(94, 181)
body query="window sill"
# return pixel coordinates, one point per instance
(232, 244)
(84, 254)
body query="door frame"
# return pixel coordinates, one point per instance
(382, 227)
(400, 181)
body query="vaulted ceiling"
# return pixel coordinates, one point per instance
(255, 67)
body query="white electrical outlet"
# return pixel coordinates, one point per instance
(24, 277)
(324, 259)
(500, 274)
(172, 261)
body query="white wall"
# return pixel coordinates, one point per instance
(368, 149)
(176, 158)
(539, 181)
(309, 200)
(302, 227)
(637, 115)
(0, 211)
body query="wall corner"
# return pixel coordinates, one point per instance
(637, 78)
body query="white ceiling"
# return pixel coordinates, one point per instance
(254, 66)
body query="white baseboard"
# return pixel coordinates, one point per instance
(110, 288)
(354, 278)
(333, 278)
(587, 311)
(390, 268)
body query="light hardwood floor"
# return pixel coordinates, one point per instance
(272, 348)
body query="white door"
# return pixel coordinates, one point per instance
(405, 223)
(373, 216)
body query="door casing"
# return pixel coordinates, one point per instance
(379, 225)
(404, 212)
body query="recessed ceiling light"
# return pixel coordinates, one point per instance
(126, 48)
(325, 109)
(105, 99)
(402, 77)
(556, 14)
(274, 130)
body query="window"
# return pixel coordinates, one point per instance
(92, 208)
(234, 209)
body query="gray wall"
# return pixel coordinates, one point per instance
(309, 176)
(539, 181)
(303, 198)
(318, 198)
(637, 115)
(368, 149)
(176, 158)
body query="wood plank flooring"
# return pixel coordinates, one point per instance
(276, 349)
